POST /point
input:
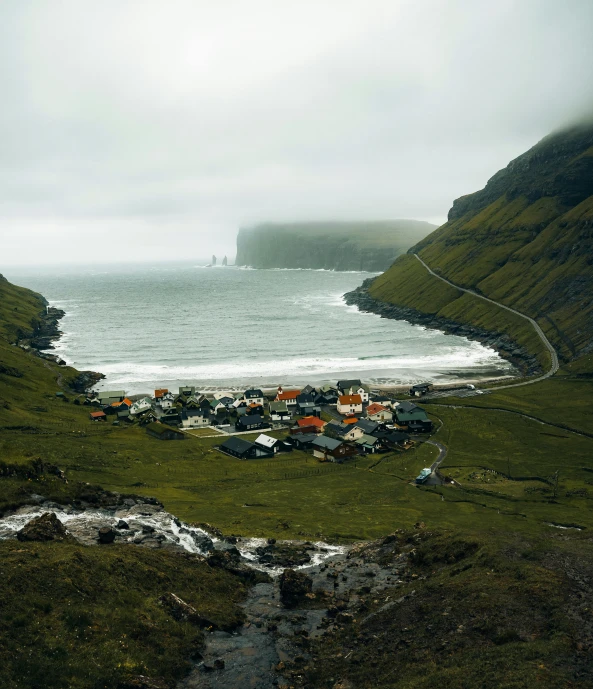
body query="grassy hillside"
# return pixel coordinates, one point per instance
(523, 240)
(89, 616)
(369, 246)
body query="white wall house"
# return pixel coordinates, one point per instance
(194, 418)
(379, 413)
(349, 404)
(140, 406)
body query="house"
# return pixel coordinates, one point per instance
(271, 444)
(308, 409)
(383, 400)
(194, 418)
(308, 390)
(98, 416)
(343, 431)
(168, 415)
(252, 422)
(288, 396)
(140, 406)
(166, 401)
(327, 395)
(254, 408)
(254, 395)
(377, 412)
(409, 415)
(243, 449)
(217, 405)
(420, 389)
(398, 439)
(349, 404)
(303, 441)
(124, 415)
(279, 411)
(314, 423)
(369, 443)
(160, 393)
(107, 397)
(148, 417)
(368, 427)
(162, 432)
(354, 387)
(126, 403)
(227, 400)
(187, 390)
(330, 449)
(423, 476)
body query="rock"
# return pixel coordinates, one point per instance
(121, 524)
(106, 534)
(419, 525)
(283, 554)
(219, 664)
(180, 610)
(293, 587)
(46, 527)
(203, 542)
(345, 618)
(143, 682)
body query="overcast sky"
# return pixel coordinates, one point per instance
(144, 130)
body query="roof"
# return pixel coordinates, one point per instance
(366, 440)
(351, 421)
(250, 420)
(190, 413)
(421, 386)
(160, 428)
(288, 395)
(416, 415)
(350, 399)
(375, 408)
(397, 437)
(326, 443)
(367, 425)
(111, 393)
(126, 400)
(254, 405)
(266, 440)
(406, 406)
(160, 392)
(278, 407)
(305, 437)
(236, 445)
(253, 392)
(347, 384)
(311, 421)
(97, 414)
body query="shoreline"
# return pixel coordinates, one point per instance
(502, 343)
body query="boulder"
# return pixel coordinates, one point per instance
(294, 587)
(46, 527)
(121, 524)
(180, 610)
(106, 534)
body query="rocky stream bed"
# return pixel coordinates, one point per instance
(302, 589)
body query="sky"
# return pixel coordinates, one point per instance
(142, 130)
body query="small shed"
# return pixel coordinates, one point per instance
(162, 432)
(97, 416)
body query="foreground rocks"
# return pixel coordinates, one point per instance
(294, 587)
(47, 527)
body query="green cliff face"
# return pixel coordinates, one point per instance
(369, 246)
(524, 240)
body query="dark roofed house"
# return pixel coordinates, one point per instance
(420, 389)
(251, 422)
(254, 395)
(369, 427)
(345, 385)
(331, 449)
(303, 441)
(237, 447)
(162, 432)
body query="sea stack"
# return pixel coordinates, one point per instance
(224, 261)
(213, 260)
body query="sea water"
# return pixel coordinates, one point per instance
(147, 326)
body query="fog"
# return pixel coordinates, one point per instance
(145, 130)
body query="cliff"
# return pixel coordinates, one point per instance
(524, 240)
(368, 246)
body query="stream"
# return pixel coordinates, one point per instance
(274, 639)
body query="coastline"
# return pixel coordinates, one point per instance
(502, 343)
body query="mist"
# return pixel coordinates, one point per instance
(143, 131)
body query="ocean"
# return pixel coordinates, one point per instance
(148, 326)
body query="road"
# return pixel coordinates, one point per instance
(553, 354)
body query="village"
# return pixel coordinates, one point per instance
(334, 423)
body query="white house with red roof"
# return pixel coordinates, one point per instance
(349, 404)
(377, 412)
(287, 396)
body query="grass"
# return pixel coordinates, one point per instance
(82, 617)
(478, 610)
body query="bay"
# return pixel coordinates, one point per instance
(147, 326)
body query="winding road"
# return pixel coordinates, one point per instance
(553, 354)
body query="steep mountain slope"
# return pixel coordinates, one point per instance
(370, 246)
(524, 240)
